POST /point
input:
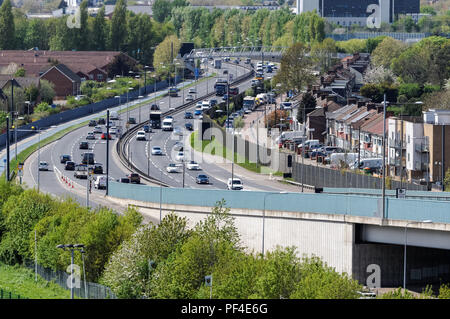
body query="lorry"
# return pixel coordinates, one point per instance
(173, 91)
(155, 119)
(249, 103)
(221, 87)
(217, 64)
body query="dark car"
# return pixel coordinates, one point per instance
(146, 128)
(92, 123)
(212, 102)
(64, 158)
(134, 178)
(225, 71)
(154, 107)
(124, 180)
(189, 126)
(188, 115)
(202, 179)
(84, 145)
(101, 121)
(131, 120)
(70, 166)
(98, 168)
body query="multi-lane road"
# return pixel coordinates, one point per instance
(60, 182)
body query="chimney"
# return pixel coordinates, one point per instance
(352, 100)
(371, 106)
(361, 103)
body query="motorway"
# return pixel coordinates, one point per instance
(62, 183)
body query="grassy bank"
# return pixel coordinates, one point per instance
(214, 147)
(21, 281)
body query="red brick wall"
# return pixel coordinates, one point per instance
(63, 86)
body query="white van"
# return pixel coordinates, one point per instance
(113, 115)
(309, 143)
(100, 182)
(167, 125)
(235, 185)
(368, 162)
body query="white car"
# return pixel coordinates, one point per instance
(236, 185)
(286, 106)
(100, 182)
(193, 165)
(98, 129)
(192, 91)
(189, 97)
(205, 105)
(140, 136)
(172, 168)
(112, 130)
(43, 166)
(179, 157)
(156, 150)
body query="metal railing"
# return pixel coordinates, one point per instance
(5, 294)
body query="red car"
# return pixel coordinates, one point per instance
(104, 136)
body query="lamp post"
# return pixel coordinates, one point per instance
(145, 79)
(72, 248)
(264, 217)
(404, 253)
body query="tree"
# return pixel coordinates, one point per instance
(376, 92)
(118, 32)
(37, 34)
(378, 75)
(47, 91)
(161, 10)
(322, 52)
(296, 72)
(100, 31)
(7, 26)
(164, 55)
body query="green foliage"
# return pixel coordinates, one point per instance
(20, 72)
(397, 294)
(7, 26)
(447, 180)
(444, 292)
(410, 90)
(352, 46)
(308, 103)
(376, 92)
(47, 91)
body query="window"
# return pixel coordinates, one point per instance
(91, 76)
(100, 76)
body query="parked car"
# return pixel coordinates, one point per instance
(234, 184)
(188, 126)
(134, 178)
(286, 105)
(172, 168)
(131, 120)
(156, 150)
(84, 145)
(98, 168)
(90, 136)
(193, 165)
(92, 123)
(140, 136)
(64, 158)
(69, 166)
(202, 179)
(188, 115)
(43, 166)
(104, 136)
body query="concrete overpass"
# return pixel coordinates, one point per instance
(346, 231)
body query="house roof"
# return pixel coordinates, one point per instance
(376, 126)
(66, 71)
(23, 82)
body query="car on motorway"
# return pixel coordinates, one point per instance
(104, 136)
(205, 105)
(188, 126)
(188, 115)
(97, 168)
(179, 157)
(140, 136)
(236, 61)
(88, 158)
(212, 102)
(192, 91)
(225, 72)
(154, 107)
(134, 178)
(100, 182)
(131, 120)
(81, 171)
(92, 123)
(193, 166)
(90, 136)
(98, 129)
(189, 97)
(198, 112)
(125, 180)
(43, 166)
(64, 158)
(147, 129)
(199, 105)
(178, 131)
(84, 146)
(156, 150)
(112, 130)
(101, 121)
(202, 179)
(178, 146)
(172, 168)
(235, 184)
(69, 166)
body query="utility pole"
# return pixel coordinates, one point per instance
(7, 149)
(107, 152)
(384, 156)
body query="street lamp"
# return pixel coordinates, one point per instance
(72, 248)
(264, 216)
(404, 254)
(140, 97)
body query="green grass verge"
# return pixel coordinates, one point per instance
(21, 281)
(213, 146)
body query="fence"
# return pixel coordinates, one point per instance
(325, 177)
(402, 36)
(91, 291)
(81, 111)
(4, 294)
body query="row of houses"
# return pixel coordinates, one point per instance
(66, 70)
(416, 147)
